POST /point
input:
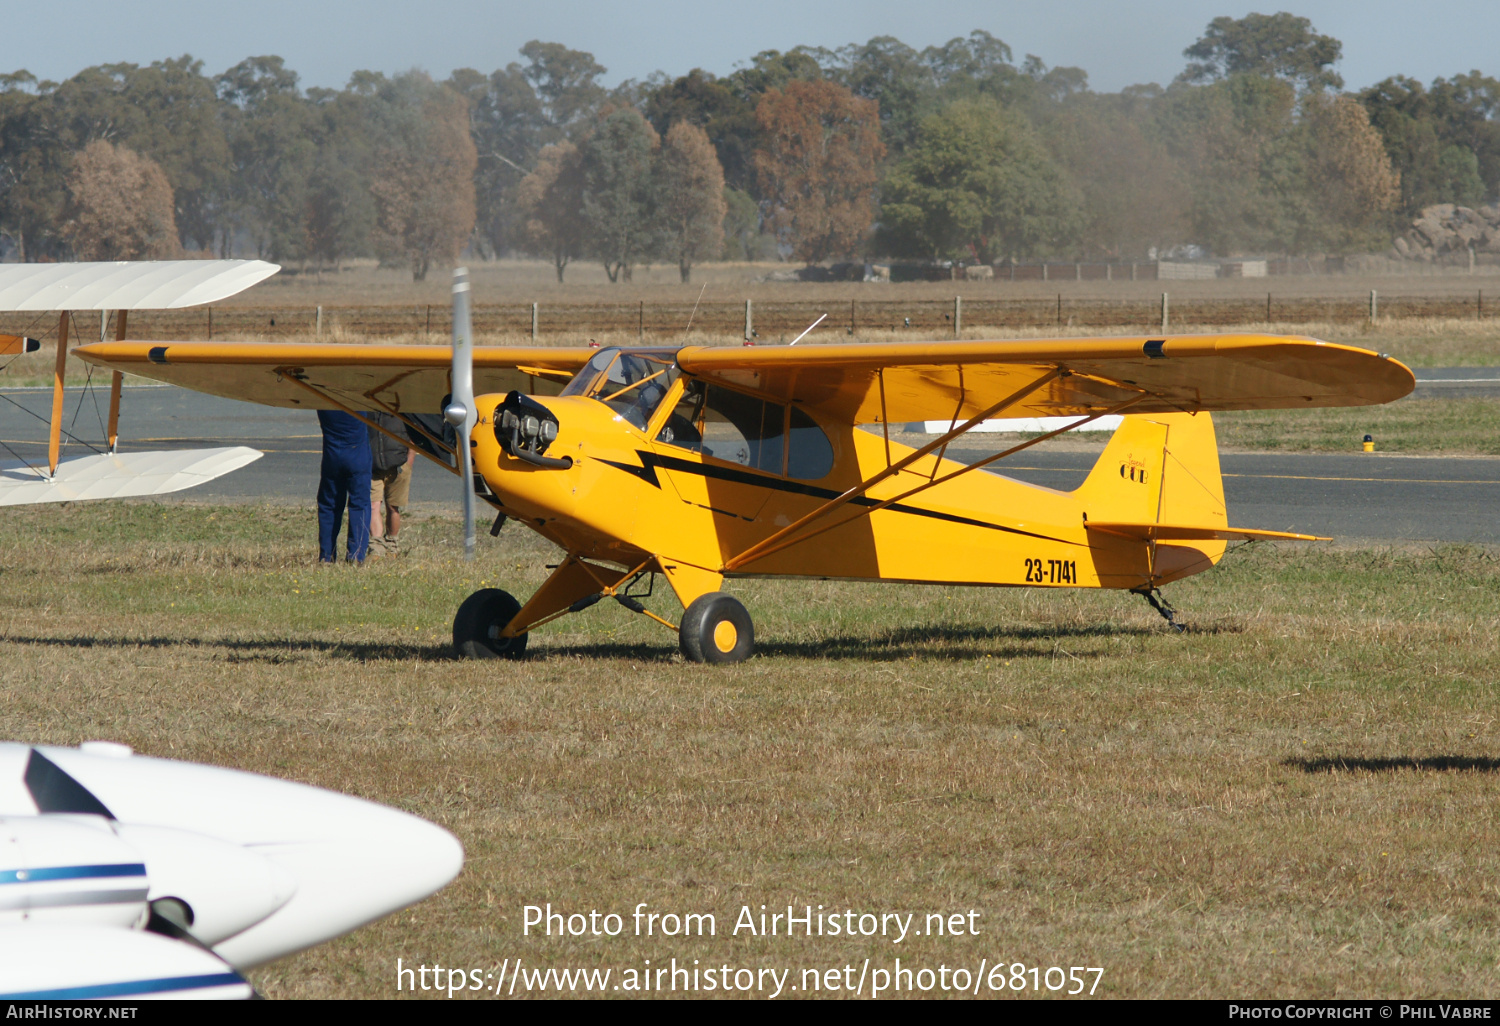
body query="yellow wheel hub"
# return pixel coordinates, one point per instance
(725, 636)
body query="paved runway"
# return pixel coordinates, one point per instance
(1345, 495)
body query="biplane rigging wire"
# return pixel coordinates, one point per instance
(88, 390)
(3, 367)
(22, 459)
(44, 420)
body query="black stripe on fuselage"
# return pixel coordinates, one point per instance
(651, 461)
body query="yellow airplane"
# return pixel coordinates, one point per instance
(705, 463)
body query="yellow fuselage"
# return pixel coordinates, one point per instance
(627, 498)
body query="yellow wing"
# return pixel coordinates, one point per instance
(406, 378)
(859, 382)
(905, 381)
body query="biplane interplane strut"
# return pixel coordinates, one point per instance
(697, 464)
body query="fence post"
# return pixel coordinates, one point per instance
(749, 323)
(211, 324)
(640, 323)
(1059, 309)
(852, 322)
(1372, 306)
(1077, 271)
(1268, 308)
(958, 314)
(1479, 308)
(1163, 313)
(1044, 270)
(428, 330)
(534, 319)
(1132, 270)
(320, 322)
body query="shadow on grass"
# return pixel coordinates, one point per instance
(1432, 763)
(937, 642)
(268, 651)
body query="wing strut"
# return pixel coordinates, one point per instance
(766, 547)
(116, 379)
(54, 439)
(762, 547)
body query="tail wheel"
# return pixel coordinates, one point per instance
(479, 621)
(716, 628)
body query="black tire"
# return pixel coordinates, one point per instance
(716, 628)
(483, 615)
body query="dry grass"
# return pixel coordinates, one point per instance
(1295, 798)
(1447, 427)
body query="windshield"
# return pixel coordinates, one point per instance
(632, 382)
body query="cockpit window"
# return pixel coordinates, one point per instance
(740, 428)
(632, 382)
(727, 425)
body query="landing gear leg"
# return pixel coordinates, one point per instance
(1162, 606)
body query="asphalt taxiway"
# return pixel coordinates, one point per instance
(1349, 496)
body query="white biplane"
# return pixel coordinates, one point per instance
(119, 287)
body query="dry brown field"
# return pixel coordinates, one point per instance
(363, 302)
(1297, 798)
(1425, 320)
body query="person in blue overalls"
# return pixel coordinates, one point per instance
(345, 480)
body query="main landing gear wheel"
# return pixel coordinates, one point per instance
(716, 629)
(479, 621)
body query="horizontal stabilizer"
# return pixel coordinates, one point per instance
(1185, 532)
(119, 476)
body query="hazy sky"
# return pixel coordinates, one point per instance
(1117, 43)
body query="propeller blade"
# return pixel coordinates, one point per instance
(460, 409)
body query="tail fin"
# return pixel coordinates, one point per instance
(1160, 469)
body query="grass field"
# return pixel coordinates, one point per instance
(1297, 797)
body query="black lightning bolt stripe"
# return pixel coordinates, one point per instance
(650, 461)
(646, 471)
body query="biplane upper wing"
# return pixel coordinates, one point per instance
(402, 378)
(904, 381)
(127, 284)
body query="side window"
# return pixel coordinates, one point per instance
(811, 454)
(728, 426)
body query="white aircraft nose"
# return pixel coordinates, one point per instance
(380, 866)
(353, 861)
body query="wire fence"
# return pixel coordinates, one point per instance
(772, 321)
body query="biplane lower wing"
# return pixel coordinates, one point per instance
(119, 475)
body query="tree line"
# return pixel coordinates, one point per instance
(952, 152)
